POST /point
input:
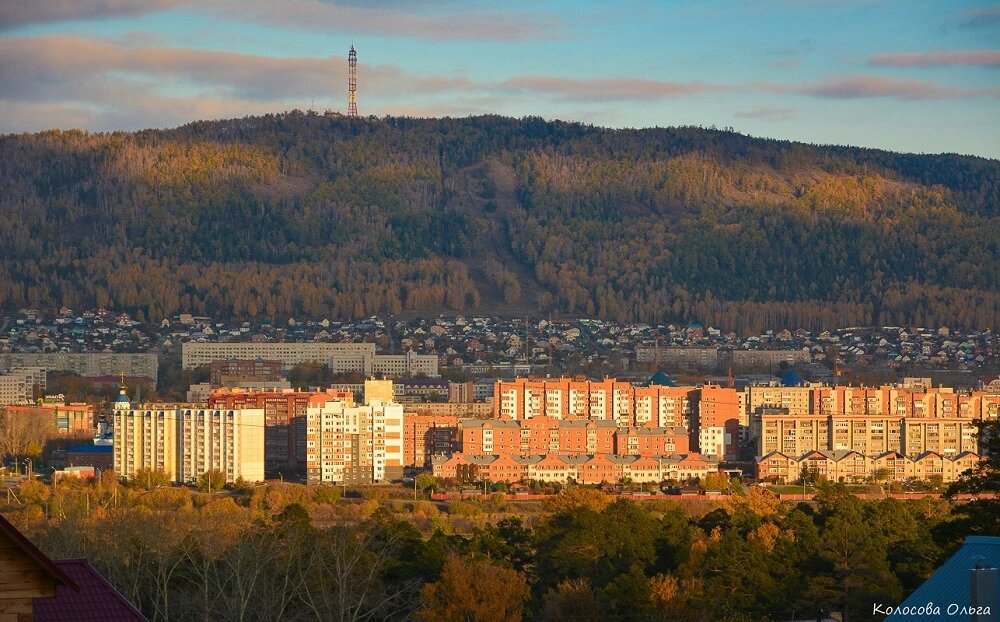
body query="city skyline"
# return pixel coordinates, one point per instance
(901, 76)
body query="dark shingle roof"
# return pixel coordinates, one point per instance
(96, 601)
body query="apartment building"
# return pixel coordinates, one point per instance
(409, 364)
(348, 443)
(853, 466)
(340, 357)
(749, 360)
(237, 372)
(284, 421)
(290, 354)
(187, 440)
(718, 430)
(873, 421)
(675, 356)
(90, 364)
(20, 385)
(580, 468)
(427, 435)
(549, 436)
(608, 400)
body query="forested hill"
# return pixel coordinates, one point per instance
(326, 216)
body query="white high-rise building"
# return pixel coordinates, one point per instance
(347, 443)
(187, 440)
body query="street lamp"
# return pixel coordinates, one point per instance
(28, 465)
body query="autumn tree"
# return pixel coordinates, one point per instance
(475, 591)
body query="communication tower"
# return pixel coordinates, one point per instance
(352, 83)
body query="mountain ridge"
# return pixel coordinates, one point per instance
(306, 214)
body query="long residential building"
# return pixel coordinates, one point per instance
(676, 356)
(547, 435)
(341, 357)
(794, 420)
(580, 468)
(710, 413)
(90, 364)
(187, 440)
(347, 443)
(853, 466)
(608, 400)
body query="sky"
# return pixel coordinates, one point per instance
(912, 76)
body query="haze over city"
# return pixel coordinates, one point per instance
(902, 76)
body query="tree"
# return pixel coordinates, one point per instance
(716, 481)
(475, 591)
(578, 497)
(20, 432)
(425, 482)
(149, 478)
(809, 476)
(212, 481)
(857, 552)
(981, 514)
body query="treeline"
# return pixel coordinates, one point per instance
(289, 552)
(301, 214)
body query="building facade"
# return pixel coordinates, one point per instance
(284, 422)
(90, 364)
(340, 357)
(427, 435)
(347, 443)
(852, 466)
(21, 385)
(242, 372)
(869, 420)
(66, 419)
(187, 440)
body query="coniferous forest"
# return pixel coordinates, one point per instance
(326, 216)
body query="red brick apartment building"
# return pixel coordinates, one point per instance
(427, 435)
(284, 421)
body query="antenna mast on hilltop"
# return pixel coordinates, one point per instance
(352, 83)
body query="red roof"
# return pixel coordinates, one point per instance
(96, 601)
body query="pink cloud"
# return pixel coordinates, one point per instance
(982, 58)
(395, 19)
(861, 87)
(608, 89)
(767, 113)
(15, 13)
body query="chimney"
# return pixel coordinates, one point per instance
(983, 593)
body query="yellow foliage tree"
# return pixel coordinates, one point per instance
(477, 591)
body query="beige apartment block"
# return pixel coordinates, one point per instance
(87, 364)
(187, 440)
(347, 443)
(290, 354)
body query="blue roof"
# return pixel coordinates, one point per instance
(90, 449)
(792, 379)
(661, 379)
(949, 585)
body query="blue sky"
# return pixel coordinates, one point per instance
(917, 76)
